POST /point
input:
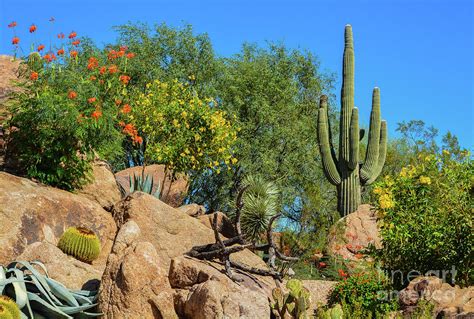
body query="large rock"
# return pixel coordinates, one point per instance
(173, 192)
(204, 291)
(449, 301)
(135, 284)
(353, 233)
(103, 188)
(319, 290)
(31, 213)
(224, 224)
(74, 274)
(193, 210)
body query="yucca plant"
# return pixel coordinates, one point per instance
(144, 183)
(260, 204)
(39, 296)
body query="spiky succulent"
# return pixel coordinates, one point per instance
(27, 293)
(81, 243)
(260, 204)
(10, 308)
(143, 183)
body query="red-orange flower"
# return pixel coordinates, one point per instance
(138, 139)
(342, 273)
(91, 99)
(72, 35)
(130, 55)
(118, 102)
(60, 52)
(76, 43)
(73, 54)
(32, 28)
(61, 35)
(40, 48)
(34, 76)
(123, 48)
(124, 79)
(12, 24)
(120, 53)
(126, 109)
(113, 69)
(358, 256)
(102, 70)
(112, 55)
(322, 264)
(92, 63)
(72, 95)
(92, 78)
(96, 114)
(15, 40)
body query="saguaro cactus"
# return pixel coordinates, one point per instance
(344, 169)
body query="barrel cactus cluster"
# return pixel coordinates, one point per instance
(344, 169)
(81, 243)
(8, 308)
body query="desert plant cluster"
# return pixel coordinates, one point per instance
(259, 138)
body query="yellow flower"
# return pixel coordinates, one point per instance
(386, 201)
(234, 160)
(446, 152)
(378, 190)
(425, 180)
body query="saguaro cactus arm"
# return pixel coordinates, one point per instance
(372, 156)
(382, 153)
(354, 140)
(325, 148)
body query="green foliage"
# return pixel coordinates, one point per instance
(81, 243)
(260, 204)
(39, 296)
(294, 303)
(140, 183)
(10, 308)
(344, 170)
(365, 293)
(66, 111)
(426, 217)
(182, 131)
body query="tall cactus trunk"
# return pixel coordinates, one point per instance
(345, 171)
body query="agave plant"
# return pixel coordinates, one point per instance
(260, 204)
(39, 296)
(144, 183)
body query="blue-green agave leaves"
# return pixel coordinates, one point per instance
(143, 183)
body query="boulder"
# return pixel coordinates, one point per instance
(103, 188)
(74, 274)
(173, 192)
(353, 233)
(193, 210)
(449, 301)
(204, 291)
(135, 284)
(319, 290)
(30, 212)
(224, 224)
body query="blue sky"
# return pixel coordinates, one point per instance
(419, 52)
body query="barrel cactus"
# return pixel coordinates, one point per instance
(344, 169)
(35, 61)
(81, 243)
(10, 308)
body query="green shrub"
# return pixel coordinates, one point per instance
(365, 292)
(426, 218)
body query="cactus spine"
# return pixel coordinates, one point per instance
(80, 243)
(344, 169)
(10, 308)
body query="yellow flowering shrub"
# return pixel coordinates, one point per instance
(181, 130)
(425, 215)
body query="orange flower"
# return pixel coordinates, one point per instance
(72, 35)
(92, 78)
(61, 35)
(15, 40)
(40, 48)
(73, 54)
(338, 247)
(76, 43)
(91, 99)
(32, 28)
(112, 55)
(123, 48)
(124, 79)
(138, 139)
(120, 53)
(96, 114)
(12, 24)
(72, 95)
(34, 76)
(126, 109)
(342, 273)
(113, 69)
(92, 63)
(102, 70)
(358, 256)
(121, 123)
(60, 52)
(130, 55)
(49, 57)
(118, 102)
